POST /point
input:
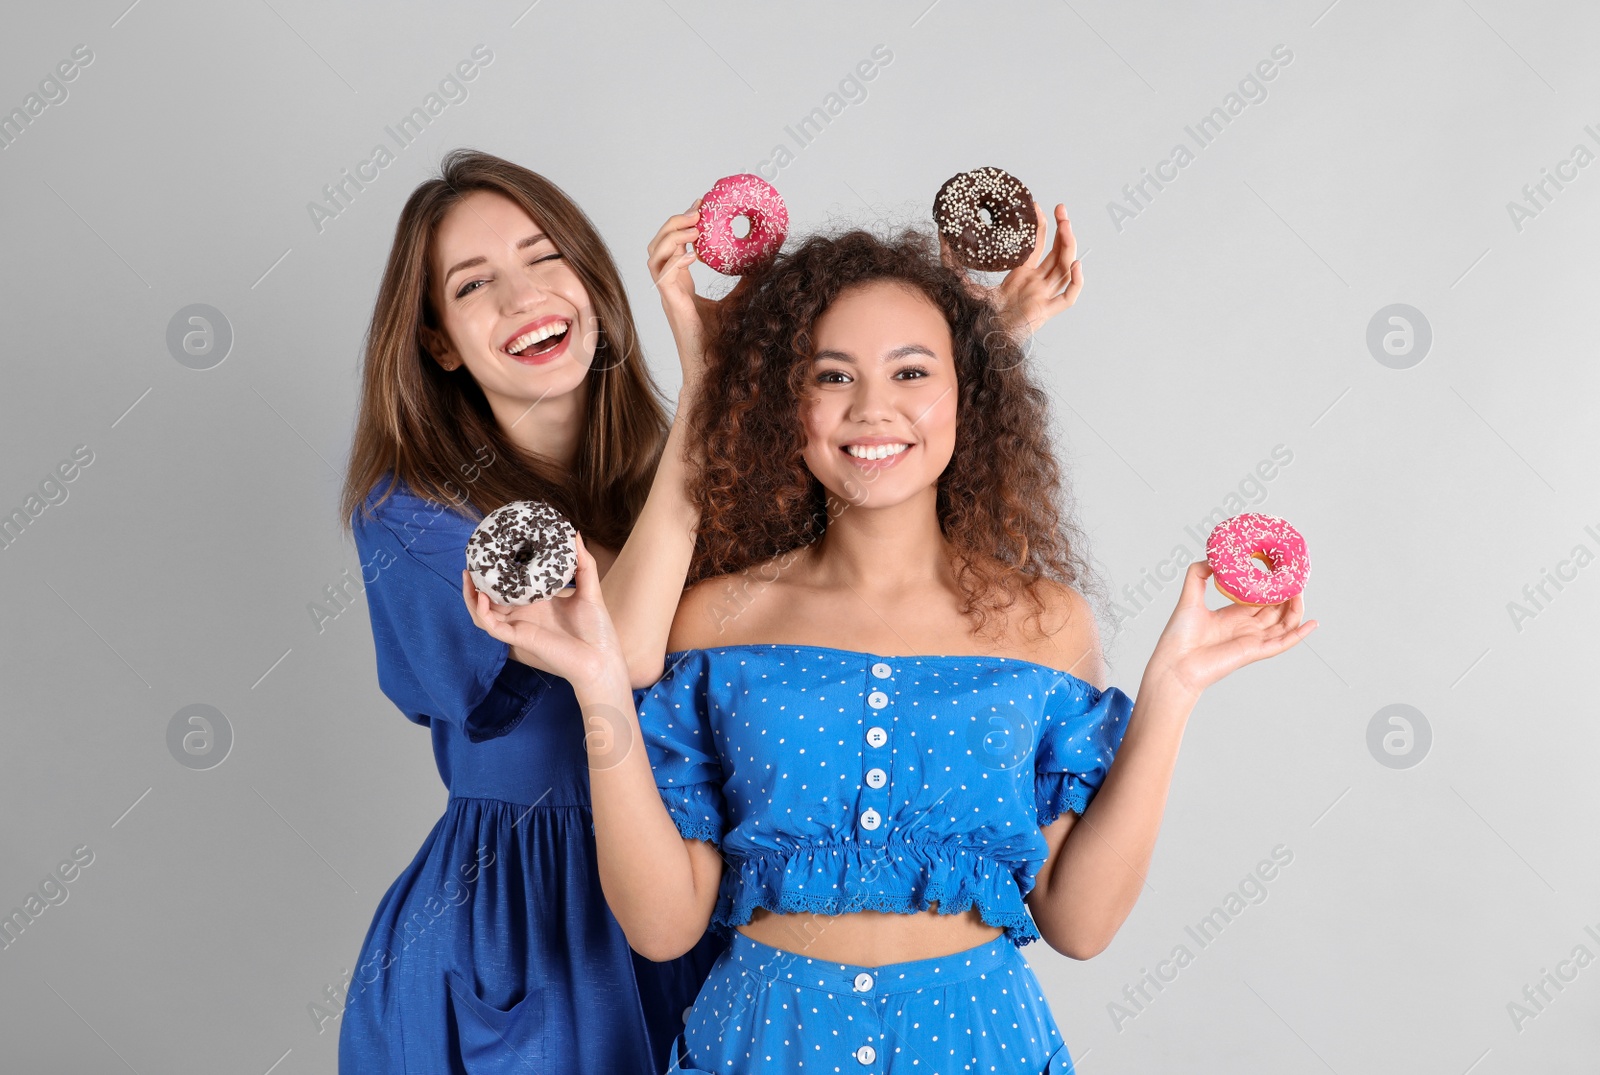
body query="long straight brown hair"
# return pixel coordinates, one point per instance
(433, 428)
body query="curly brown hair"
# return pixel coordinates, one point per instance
(1001, 503)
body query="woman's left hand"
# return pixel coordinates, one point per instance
(1200, 645)
(1045, 285)
(569, 634)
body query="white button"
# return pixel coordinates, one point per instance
(866, 1054)
(871, 819)
(880, 670)
(686, 1012)
(877, 778)
(863, 983)
(876, 736)
(877, 699)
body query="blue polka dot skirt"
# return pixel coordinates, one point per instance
(764, 1010)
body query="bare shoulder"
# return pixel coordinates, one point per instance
(726, 610)
(1071, 639)
(695, 623)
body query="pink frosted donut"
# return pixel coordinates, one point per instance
(1234, 548)
(756, 200)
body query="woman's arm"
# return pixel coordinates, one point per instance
(660, 886)
(1098, 860)
(644, 583)
(646, 580)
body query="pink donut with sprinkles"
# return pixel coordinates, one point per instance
(735, 196)
(1257, 559)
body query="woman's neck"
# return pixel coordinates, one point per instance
(886, 551)
(550, 427)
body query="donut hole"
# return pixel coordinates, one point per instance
(740, 226)
(1261, 564)
(523, 553)
(986, 217)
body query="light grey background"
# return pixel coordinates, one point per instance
(1230, 316)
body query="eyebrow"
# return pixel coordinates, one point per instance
(522, 244)
(899, 352)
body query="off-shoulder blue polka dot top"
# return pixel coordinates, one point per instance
(837, 781)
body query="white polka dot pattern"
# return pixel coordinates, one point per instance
(836, 781)
(764, 1011)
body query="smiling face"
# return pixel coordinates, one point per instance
(511, 307)
(880, 409)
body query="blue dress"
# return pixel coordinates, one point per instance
(494, 951)
(835, 781)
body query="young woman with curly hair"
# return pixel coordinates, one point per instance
(885, 737)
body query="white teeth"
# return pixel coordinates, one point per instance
(875, 451)
(538, 335)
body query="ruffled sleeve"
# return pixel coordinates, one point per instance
(434, 663)
(675, 719)
(1083, 729)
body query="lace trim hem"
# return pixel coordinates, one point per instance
(695, 811)
(1059, 793)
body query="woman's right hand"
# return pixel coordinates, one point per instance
(568, 635)
(689, 316)
(693, 318)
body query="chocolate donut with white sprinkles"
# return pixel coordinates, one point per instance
(522, 552)
(1009, 235)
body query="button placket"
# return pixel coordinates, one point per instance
(875, 755)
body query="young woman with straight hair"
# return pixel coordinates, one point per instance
(502, 364)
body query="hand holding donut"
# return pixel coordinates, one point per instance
(1043, 286)
(1199, 646)
(1047, 283)
(988, 220)
(569, 635)
(691, 317)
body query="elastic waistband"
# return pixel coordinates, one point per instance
(796, 969)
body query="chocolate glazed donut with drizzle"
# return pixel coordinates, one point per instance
(1008, 236)
(522, 552)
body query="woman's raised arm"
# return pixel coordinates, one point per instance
(643, 585)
